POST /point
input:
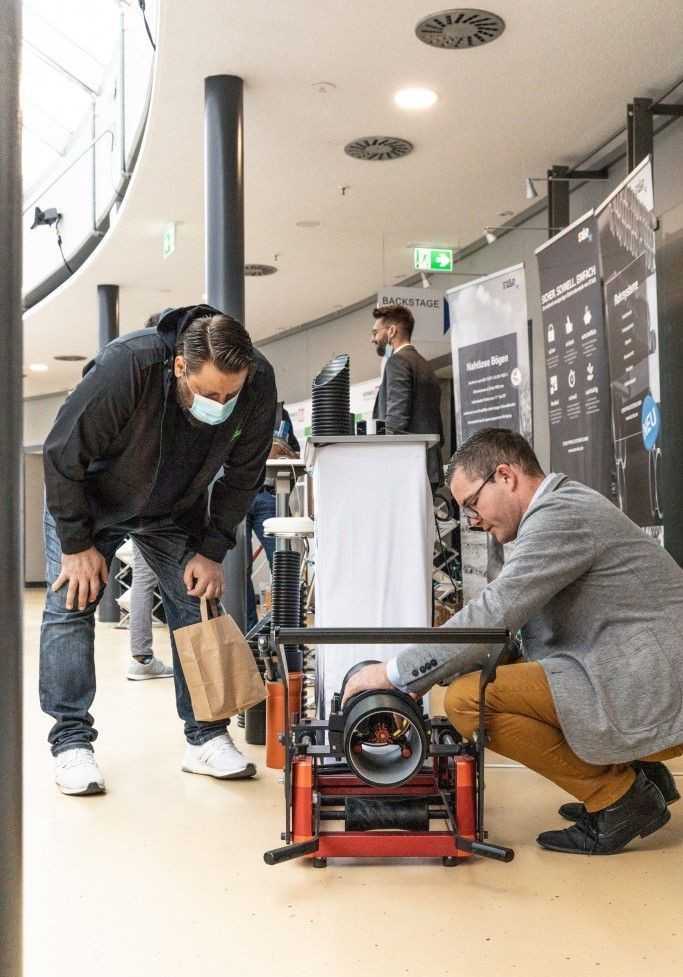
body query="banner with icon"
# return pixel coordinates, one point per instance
(626, 233)
(577, 366)
(492, 387)
(491, 359)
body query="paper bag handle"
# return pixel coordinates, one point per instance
(209, 607)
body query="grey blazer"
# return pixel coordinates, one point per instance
(600, 605)
(409, 402)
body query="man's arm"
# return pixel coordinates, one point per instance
(88, 422)
(242, 477)
(555, 548)
(399, 389)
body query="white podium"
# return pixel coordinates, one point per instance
(374, 538)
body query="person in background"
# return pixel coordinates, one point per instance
(409, 397)
(285, 445)
(143, 664)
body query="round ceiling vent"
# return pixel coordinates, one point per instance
(461, 28)
(378, 148)
(259, 271)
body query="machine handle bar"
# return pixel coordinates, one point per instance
(287, 852)
(391, 636)
(492, 851)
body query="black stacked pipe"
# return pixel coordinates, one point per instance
(287, 600)
(332, 398)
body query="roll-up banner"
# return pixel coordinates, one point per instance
(492, 385)
(577, 367)
(626, 233)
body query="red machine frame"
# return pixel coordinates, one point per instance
(452, 779)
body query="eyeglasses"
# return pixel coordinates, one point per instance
(468, 508)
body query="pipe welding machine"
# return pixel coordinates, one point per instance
(378, 766)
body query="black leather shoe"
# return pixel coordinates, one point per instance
(640, 811)
(657, 772)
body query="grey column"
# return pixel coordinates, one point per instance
(224, 249)
(108, 329)
(11, 437)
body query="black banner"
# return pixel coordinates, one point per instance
(576, 357)
(627, 255)
(489, 384)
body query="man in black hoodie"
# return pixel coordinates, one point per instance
(133, 450)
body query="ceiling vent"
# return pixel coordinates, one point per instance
(70, 358)
(378, 148)
(259, 271)
(460, 29)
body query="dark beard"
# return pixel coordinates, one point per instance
(380, 350)
(184, 400)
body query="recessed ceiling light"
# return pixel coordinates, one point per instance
(70, 358)
(38, 367)
(308, 223)
(415, 98)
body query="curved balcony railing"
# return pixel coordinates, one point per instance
(96, 173)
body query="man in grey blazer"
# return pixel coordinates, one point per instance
(409, 397)
(596, 701)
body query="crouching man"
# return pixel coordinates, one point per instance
(596, 702)
(133, 450)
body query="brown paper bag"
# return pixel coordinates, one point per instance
(218, 664)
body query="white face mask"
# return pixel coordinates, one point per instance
(208, 411)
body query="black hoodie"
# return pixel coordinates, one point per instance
(102, 455)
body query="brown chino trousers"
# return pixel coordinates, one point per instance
(522, 724)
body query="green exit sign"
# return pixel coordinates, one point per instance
(433, 259)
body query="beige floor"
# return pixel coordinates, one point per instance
(164, 877)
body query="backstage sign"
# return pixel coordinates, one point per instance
(577, 373)
(430, 335)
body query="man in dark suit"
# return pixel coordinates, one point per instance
(409, 398)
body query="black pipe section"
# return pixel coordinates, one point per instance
(392, 636)
(278, 855)
(286, 601)
(11, 440)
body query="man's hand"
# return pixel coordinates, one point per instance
(203, 577)
(86, 574)
(369, 678)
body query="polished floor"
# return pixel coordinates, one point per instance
(164, 877)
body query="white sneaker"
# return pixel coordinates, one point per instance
(76, 772)
(220, 758)
(138, 671)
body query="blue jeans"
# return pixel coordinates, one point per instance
(262, 508)
(67, 638)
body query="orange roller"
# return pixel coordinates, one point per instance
(275, 716)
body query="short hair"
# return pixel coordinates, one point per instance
(217, 339)
(396, 315)
(490, 447)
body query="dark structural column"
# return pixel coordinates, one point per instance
(224, 249)
(108, 323)
(11, 439)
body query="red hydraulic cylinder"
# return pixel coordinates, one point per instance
(302, 798)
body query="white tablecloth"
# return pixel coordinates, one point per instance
(374, 531)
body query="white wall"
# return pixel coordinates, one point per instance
(39, 416)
